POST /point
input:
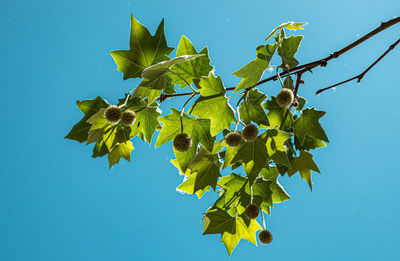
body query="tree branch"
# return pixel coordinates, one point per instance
(308, 66)
(323, 62)
(361, 75)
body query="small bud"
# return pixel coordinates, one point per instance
(182, 142)
(250, 132)
(285, 97)
(112, 114)
(295, 103)
(128, 117)
(265, 237)
(233, 139)
(252, 211)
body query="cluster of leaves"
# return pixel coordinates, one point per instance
(244, 174)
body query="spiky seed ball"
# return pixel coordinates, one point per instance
(285, 97)
(128, 117)
(265, 237)
(250, 132)
(112, 114)
(252, 211)
(233, 139)
(182, 142)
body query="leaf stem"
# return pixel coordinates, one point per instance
(188, 84)
(237, 109)
(183, 108)
(263, 219)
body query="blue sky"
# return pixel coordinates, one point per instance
(57, 203)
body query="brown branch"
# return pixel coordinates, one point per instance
(323, 62)
(361, 75)
(308, 66)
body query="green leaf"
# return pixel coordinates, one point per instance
(310, 143)
(253, 71)
(197, 129)
(254, 156)
(302, 101)
(155, 75)
(245, 229)
(101, 131)
(121, 150)
(207, 167)
(252, 109)
(217, 221)
(278, 192)
(308, 124)
(145, 50)
(288, 83)
(193, 69)
(276, 113)
(304, 164)
(187, 185)
(79, 131)
(212, 104)
(146, 118)
(289, 25)
(288, 49)
(276, 138)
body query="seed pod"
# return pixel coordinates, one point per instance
(112, 114)
(250, 132)
(128, 117)
(233, 139)
(182, 142)
(252, 211)
(265, 237)
(285, 97)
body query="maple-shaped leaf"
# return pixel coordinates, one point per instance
(121, 150)
(253, 71)
(212, 104)
(146, 117)
(197, 129)
(276, 113)
(308, 124)
(278, 192)
(254, 156)
(245, 229)
(251, 109)
(79, 131)
(155, 75)
(218, 221)
(102, 132)
(287, 49)
(289, 25)
(187, 185)
(309, 143)
(144, 50)
(304, 164)
(275, 147)
(207, 166)
(193, 69)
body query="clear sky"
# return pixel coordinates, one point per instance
(57, 203)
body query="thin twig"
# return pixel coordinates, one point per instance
(323, 62)
(308, 66)
(361, 75)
